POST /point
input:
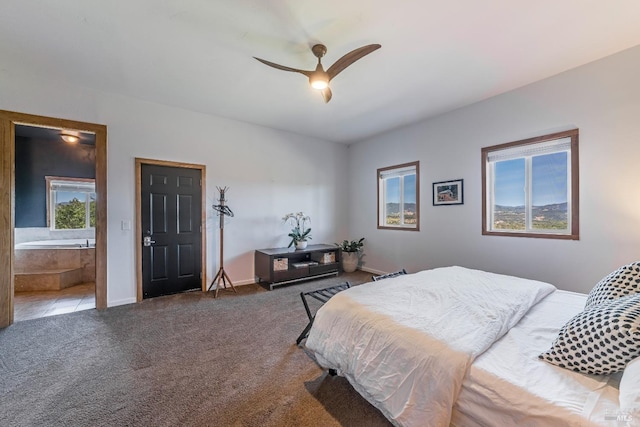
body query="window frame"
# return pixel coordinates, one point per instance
(382, 197)
(572, 189)
(51, 181)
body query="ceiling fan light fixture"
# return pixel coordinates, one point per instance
(319, 84)
(69, 139)
(319, 80)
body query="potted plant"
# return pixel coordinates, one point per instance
(299, 233)
(350, 254)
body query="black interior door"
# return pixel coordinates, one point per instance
(171, 229)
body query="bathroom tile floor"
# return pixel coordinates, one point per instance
(32, 305)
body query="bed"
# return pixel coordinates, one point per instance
(455, 346)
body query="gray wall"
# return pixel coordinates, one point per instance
(269, 173)
(602, 99)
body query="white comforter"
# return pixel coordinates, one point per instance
(406, 343)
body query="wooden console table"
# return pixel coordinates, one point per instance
(279, 266)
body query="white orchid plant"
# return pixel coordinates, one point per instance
(299, 232)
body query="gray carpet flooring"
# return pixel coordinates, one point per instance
(180, 360)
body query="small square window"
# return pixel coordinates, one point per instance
(399, 197)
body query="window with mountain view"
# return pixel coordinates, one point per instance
(530, 187)
(71, 202)
(398, 197)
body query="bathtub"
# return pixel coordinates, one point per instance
(54, 264)
(58, 244)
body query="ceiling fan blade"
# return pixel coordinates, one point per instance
(326, 94)
(282, 67)
(350, 58)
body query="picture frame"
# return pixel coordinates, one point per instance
(448, 193)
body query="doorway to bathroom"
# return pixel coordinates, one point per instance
(54, 226)
(56, 233)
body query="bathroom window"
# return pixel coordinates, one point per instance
(71, 203)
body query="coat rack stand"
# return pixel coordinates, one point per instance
(221, 275)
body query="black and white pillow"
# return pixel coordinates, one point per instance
(601, 340)
(622, 282)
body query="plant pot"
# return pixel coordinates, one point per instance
(301, 244)
(349, 261)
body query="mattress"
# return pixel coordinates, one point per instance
(407, 343)
(509, 385)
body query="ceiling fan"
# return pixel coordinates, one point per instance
(319, 78)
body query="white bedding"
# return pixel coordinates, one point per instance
(406, 343)
(509, 385)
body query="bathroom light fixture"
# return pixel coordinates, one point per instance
(68, 138)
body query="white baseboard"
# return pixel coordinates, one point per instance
(121, 302)
(237, 283)
(244, 282)
(125, 301)
(373, 271)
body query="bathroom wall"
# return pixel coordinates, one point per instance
(33, 234)
(37, 157)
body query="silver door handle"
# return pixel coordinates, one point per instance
(146, 241)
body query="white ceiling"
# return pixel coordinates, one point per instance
(436, 56)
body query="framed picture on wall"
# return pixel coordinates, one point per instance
(448, 193)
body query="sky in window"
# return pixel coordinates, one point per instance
(393, 189)
(549, 180)
(67, 196)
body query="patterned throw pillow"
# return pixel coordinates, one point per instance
(624, 281)
(600, 340)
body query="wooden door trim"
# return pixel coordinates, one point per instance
(8, 120)
(203, 219)
(6, 220)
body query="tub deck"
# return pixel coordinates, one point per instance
(47, 280)
(53, 266)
